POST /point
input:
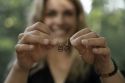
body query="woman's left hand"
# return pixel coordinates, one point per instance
(93, 50)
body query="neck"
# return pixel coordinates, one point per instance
(59, 64)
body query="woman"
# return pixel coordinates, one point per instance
(55, 49)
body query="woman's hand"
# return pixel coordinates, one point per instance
(93, 49)
(32, 45)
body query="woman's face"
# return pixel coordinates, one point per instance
(60, 16)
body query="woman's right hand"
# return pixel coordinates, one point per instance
(32, 45)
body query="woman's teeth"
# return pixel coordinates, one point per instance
(60, 31)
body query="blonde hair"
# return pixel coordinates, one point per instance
(79, 68)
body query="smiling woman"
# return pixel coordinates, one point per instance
(61, 22)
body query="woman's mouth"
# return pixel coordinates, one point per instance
(60, 35)
(60, 31)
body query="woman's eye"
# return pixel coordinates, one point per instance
(68, 13)
(51, 14)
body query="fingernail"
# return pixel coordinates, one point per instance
(54, 42)
(95, 50)
(31, 46)
(84, 41)
(46, 41)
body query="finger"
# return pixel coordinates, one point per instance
(88, 56)
(20, 35)
(95, 42)
(81, 32)
(33, 39)
(23, 47)
(83, 37)
(35, 32)
(101, 51)
(38, 26)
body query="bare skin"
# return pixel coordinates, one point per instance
(41, 40)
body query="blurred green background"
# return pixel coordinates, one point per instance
(108, 23)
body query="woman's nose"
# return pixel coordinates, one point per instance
(59, 20)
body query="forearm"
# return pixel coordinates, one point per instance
(17, 75)
(117, 78)
(112, 74)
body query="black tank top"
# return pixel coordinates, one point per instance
(44, 76)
